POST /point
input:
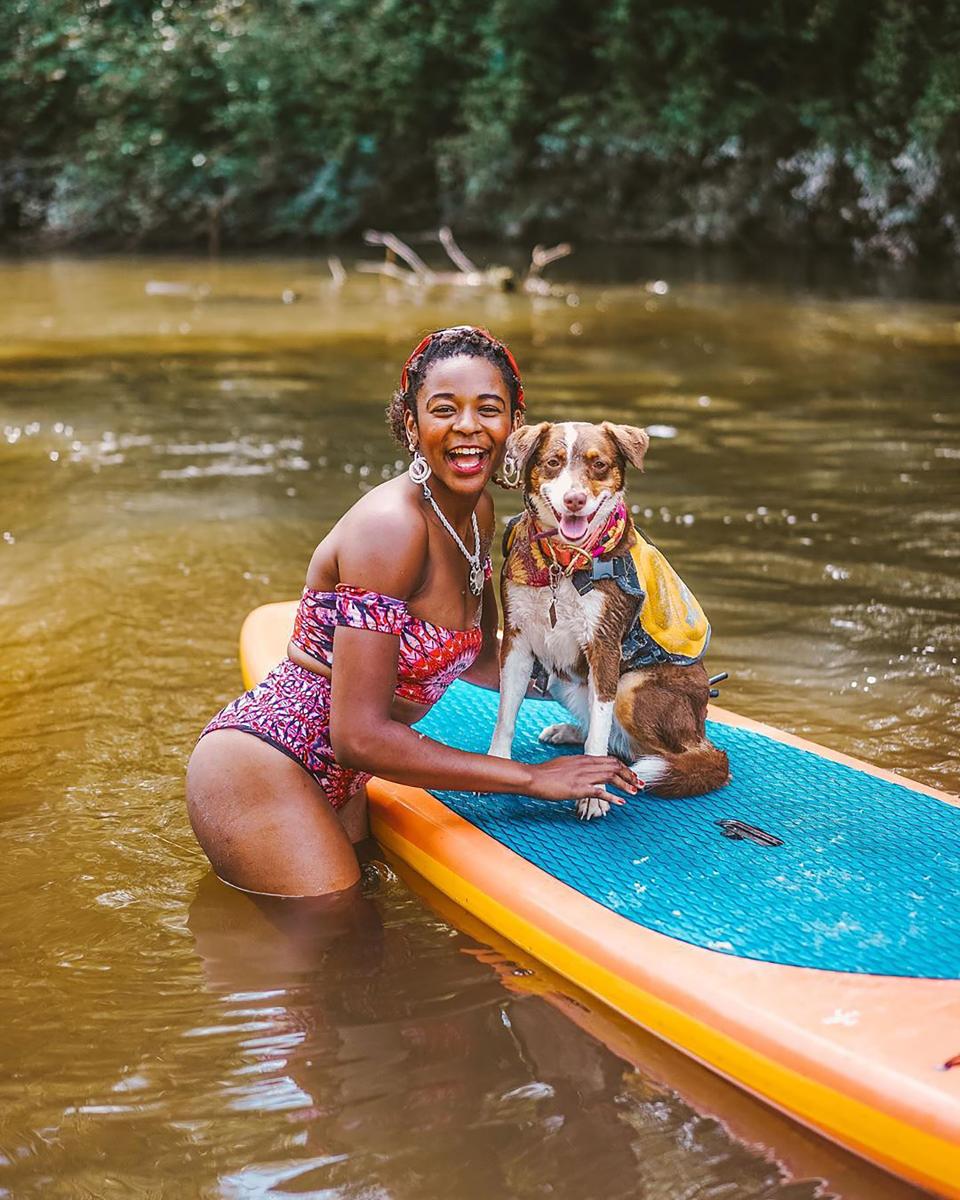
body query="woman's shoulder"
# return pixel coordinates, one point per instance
(393, 504)
(381, 542)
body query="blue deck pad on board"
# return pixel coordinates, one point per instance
(867, 878)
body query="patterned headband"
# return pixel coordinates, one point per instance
(511, 361)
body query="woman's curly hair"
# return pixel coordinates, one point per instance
(449, 343)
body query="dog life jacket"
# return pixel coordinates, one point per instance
(670, 626)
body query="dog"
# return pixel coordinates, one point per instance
(600, 608)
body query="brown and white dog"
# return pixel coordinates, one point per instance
(653, 716)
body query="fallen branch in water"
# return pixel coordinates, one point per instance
(394, 247)
(337, 270)
(540, 257)
(454, 253)
(390, 270)
(416, 273)
(165, 287)
(403, 264)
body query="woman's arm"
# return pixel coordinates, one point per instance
(366, 738)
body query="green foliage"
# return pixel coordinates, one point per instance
(248, 121)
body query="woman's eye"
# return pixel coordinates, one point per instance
(490, 411)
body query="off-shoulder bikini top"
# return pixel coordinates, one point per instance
(431, 657)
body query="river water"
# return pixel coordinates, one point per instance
(175, 437)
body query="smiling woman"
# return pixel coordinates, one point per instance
(398, 603)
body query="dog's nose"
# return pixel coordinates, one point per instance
(574, 500)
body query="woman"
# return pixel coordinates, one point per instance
(398, 602)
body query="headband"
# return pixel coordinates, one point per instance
(511, 361)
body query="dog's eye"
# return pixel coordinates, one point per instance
(600, 466)
(553, 462)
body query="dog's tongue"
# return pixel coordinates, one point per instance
(573, 528)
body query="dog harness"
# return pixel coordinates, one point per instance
(670, 626)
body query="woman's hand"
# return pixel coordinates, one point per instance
(579, 776)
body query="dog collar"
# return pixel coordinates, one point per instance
(531, 562)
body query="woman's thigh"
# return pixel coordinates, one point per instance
(263, 822)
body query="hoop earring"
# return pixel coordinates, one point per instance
(511, 473)
(419, 470)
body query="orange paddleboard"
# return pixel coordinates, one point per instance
(797, 932)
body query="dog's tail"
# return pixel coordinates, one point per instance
(692, 772)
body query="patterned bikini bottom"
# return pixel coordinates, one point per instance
(290, 710)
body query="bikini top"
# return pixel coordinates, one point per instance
(431, 657)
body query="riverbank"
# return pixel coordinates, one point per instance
(236, 125)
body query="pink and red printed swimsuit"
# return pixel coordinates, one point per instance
(290, 709)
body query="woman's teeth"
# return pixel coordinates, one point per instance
(467, 459)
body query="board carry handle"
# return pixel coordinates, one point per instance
(714, 679)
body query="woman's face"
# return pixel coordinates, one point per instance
(463, 421)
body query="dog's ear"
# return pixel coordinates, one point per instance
(633, 442)
(523, 442)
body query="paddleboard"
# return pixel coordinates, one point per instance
(797, 931)
(799, 1153)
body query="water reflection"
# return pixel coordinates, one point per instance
(385, 1082)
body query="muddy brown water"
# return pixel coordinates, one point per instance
(169, 457)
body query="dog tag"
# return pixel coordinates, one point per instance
(555, 575)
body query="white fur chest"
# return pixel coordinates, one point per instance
(557, 646)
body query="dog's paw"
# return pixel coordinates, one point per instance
(592, 806)
(562, 735)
